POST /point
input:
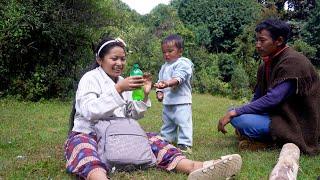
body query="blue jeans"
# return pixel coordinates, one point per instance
(177, 123)
(253, 126)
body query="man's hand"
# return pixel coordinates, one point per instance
(225, 120)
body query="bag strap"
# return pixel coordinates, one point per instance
(114, 118)
(72, 114)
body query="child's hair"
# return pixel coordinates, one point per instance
(176, 39)
(276, 28)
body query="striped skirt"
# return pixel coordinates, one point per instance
(82, 155)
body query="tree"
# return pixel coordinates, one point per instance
(44, 44)
(245, 52)
(291, 9)
(164, 20)
(311, 32)
(240, 83)
(223, 20)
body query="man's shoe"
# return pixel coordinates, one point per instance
(254, 145)
(240, 137)
(185, 148)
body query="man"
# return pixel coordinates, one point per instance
(286, 103)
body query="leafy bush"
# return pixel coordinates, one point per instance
(44, 45)
(223, 20)
(145, 38)
(240, 83)
(35, 37)
(304, 48)
(226, 64)
(205, 82)
(311, 32)
(245, 52)
(207, 77)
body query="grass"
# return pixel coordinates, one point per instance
(32, 137)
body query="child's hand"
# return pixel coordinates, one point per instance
(160, 96)
(161, 85)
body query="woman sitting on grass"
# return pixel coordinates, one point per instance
(103, 93)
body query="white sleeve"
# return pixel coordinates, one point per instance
(92, 104)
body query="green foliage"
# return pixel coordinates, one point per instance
(202, 33)
(223, 20)
(291, 9)
(245, 43)
(245, 53)
(44, 44)
(226, 65)
(311, 32)
(146, 42)
(163, 20)
(304, 48)
(240, 83)
(251, 65)
(144, 49)
(207, 77)
(34, 36)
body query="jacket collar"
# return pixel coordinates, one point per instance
(105, 76)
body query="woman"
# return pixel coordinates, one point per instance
(103, 93)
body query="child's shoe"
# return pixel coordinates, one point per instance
(185, 148)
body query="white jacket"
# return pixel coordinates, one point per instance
(97, 98)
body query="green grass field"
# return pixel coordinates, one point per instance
(32, 137)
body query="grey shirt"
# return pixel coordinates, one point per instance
(180, 69)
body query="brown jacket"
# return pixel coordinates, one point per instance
(297, 119)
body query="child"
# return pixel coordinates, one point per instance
(174, 90)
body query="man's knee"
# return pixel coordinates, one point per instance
(239, 122)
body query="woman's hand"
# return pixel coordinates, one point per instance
(130, 83)
(147, 84)
(225, 120)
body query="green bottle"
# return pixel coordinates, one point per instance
(137, 94)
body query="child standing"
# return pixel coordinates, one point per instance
(174, 91)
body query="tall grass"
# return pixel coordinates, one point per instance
(32, 137)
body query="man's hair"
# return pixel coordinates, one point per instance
(276, 28)
(178, 41)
